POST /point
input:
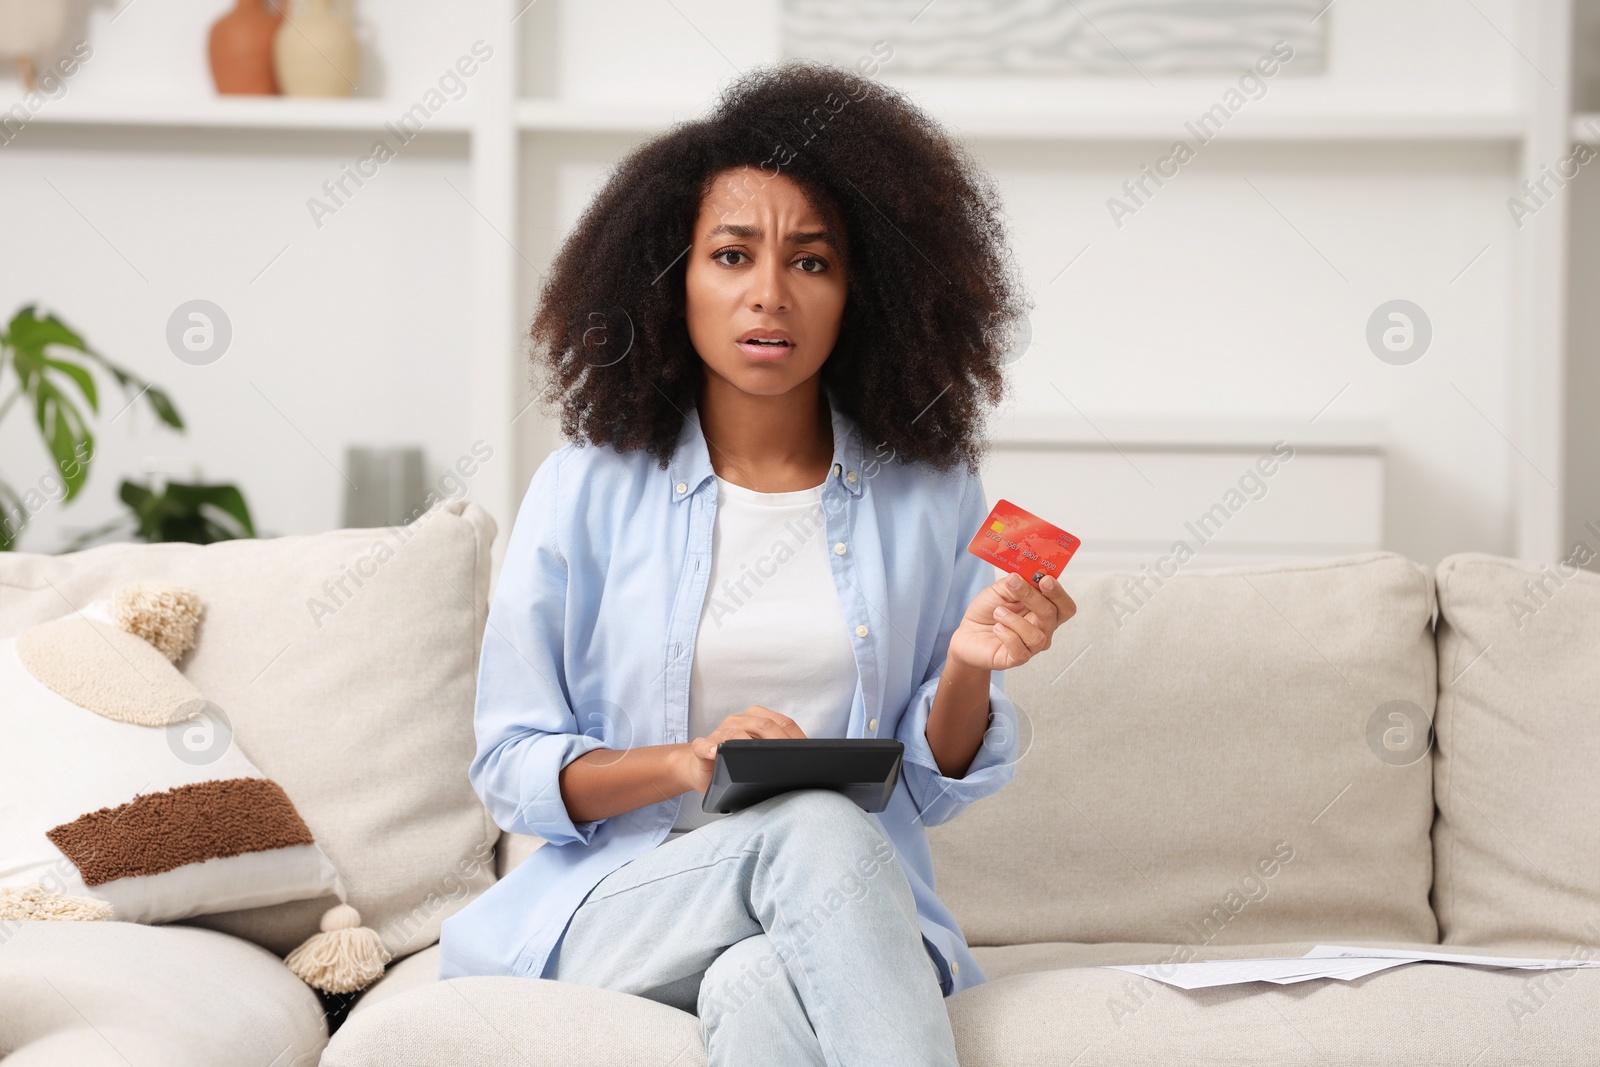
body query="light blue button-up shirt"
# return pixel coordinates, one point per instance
(589, 643)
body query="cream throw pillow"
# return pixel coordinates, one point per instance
(1517, 774)
(160, 821)
(121, 798)
(1202, 764)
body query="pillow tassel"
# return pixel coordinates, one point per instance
(344, 957)
(36, 902)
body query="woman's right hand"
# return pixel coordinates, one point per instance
(700, 755)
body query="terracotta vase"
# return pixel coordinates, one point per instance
(241, 49)
(315, 52)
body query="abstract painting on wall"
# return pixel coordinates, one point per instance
(1058, 36)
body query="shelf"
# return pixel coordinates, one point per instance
(1300, 126)
(249, 113)
(290, 113)
(1150, 124)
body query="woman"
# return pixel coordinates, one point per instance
(771, 338)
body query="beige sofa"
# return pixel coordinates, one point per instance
(1218, 763)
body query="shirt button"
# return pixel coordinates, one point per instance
(838, 549)
(835, 470)
(955, 966)
(851, 477)
(682, 487)
(861, 631)
(873, 725)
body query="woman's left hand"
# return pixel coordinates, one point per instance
(1010, 621)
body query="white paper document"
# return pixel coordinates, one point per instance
(1359, 969)
(1323, 961)
(1414, 955)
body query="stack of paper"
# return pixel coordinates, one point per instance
(1324, 961)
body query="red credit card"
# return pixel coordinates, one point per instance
(1024, 544)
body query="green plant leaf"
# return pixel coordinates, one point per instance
(42, 378)
(162, 405)
(200, 514)
(136, 496)
(65, 433)
(29, 332)
(131, 383)
(28, 336)
(145, 504)
(80, 375)
(226, 498)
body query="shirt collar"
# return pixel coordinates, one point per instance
(690, 466)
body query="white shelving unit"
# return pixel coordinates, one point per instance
(1538, 390)
(494, 127)
(243, 113)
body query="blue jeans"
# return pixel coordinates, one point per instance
(787, 927)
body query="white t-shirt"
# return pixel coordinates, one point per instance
(772, 631)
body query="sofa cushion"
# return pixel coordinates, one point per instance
(1204, 764)
(1420, 1013)
(344, 664)
(489, 1021)
(1043, 1003)
(1517, 774)
(113, 993)
(401, 976)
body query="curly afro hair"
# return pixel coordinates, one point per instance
(932, 298)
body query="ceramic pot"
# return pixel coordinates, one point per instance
(241, 49)
(315, 52)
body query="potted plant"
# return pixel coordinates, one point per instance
(52, 367)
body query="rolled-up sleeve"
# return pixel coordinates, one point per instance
(526, 732)
(939, 798)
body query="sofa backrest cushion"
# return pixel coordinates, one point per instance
(344, 665)
(1214, 760)
(1517, 766)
